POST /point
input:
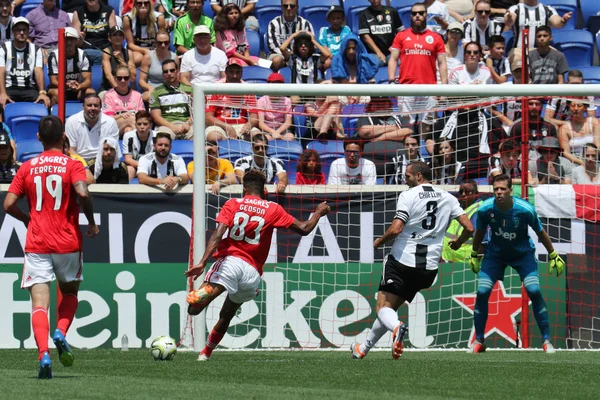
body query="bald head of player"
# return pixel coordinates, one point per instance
(417, 173)
(51, 132)
(254, 183)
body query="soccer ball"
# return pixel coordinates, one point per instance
(163, 348)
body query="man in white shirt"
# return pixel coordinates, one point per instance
(161, 168)
(352, 169)
(85, 128)
(204, 63)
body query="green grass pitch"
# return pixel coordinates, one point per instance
(112, 374)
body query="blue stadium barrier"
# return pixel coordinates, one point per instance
(288, 150)
(576, 45)
(71, 107)
(564, 6)
(23, 119)
(352, 8)
(254, 42)
(28, 149)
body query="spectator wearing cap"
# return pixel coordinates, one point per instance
(271, 167)
(107, 167)
(306, 57)
(85, 128)
(246, 11)
(139, 142)
(229, 116)
(377, 27)
(231, 34)
(331, 36)
(93, 21)
(281, 28)
(550, 167)
(44, 22)
(454, 49)
(481, 28)
(114, 55)
(21, 68)
(170, 103)
(275, 113)
(79, 75)
(187, 25)
(5, 21)
(204, 63)
(219, 171)
(8, 166)
(162, 168)
(122, 102)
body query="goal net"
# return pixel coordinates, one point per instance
(319, 291)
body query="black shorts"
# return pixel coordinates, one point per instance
(21, 94)
(404, 281)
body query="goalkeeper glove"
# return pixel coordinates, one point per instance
(556, 263)
(475, 262)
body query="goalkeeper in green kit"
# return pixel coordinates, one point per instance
(509, 243)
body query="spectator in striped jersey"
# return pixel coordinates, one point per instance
(139, 142)
(557, 111)
(481, 28)
(21, 65)
(495, 60)
(8, 166)
(532, 14)
(141, 27)
(246, 7)
(306, 58)
(281, 28)
(79, 75)
(5, 21)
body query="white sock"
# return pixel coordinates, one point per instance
(376, 332)
(388, 318)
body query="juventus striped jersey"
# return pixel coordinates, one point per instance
(20, 64)
(75, 66)
(473, 33)
(279, 30)
(532, 17)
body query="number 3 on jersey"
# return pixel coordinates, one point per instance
(53, 186)
(238, 230)
(431, 209)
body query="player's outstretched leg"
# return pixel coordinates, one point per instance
(45, 371)
(216, 335)
(199, 299)
(480, 314)
(532, 286)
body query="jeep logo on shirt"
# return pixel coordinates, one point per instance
(21, 73)
(506, 235)
(381, 29)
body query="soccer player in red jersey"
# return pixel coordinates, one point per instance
(52, 183)
(241, 255)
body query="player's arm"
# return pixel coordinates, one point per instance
(11, 208)
(468, 230)
(306, 227)
(394, 230)
(211, 247)
(87, 206)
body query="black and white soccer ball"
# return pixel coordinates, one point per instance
(163, 348)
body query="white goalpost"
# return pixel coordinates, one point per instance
(318, 292)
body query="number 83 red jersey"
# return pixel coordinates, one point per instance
(47, 180)
(251, 221)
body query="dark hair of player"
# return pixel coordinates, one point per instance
(422, 168)
(254, 182)
(51, 131)
(502, 178)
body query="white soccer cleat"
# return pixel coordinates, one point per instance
(548, 347)
(356, 353)
(202, 357)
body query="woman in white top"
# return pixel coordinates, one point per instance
(577, 132)
(151, 74)
(141, 25)
(455, 55)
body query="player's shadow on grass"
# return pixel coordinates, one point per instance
(60, 377)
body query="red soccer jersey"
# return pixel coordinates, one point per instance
(47, 180)
(238, 108)
(251, 221)
(418, 55)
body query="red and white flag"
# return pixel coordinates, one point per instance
(568, 201)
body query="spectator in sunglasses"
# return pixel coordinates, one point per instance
(122, 102)
(151, 71)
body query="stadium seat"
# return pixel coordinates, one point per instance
(564, 6)
(116, 4)
(576, 45)
(233, 149)
(28, 149)
(381, 153)
(589, 8)
(255, 74)
(96, 77)
(382, 75)
(207, 10)
(46, 77)
(265, 12)
(184, 149)
(349, 123)
(316, 13)
(23, 119)
(352, 8)
(287, 74)
(329, 149)
(71, 107)
(290, 168)
(403, 7)
(265, 44)
(27, 7)
(509, 36)
(134, 181)
(299, 121)
(590, 74)
(287, 150)
(254, 42)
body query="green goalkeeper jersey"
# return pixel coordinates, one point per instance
(173, 104)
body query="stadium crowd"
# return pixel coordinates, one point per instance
(131, 66)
